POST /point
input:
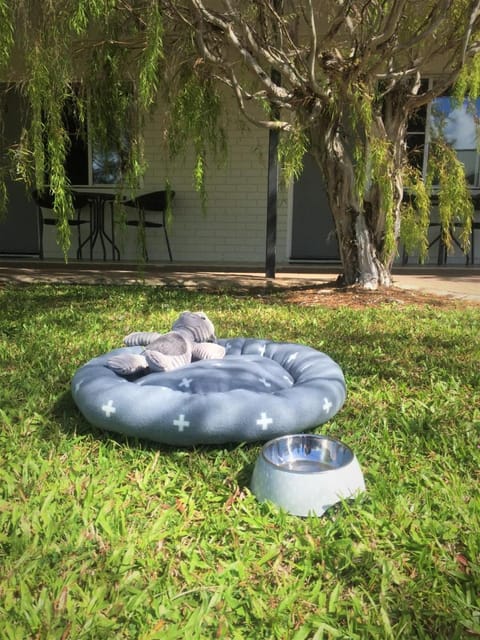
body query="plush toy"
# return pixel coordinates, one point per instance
(192, 338)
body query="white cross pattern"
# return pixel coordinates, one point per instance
(109, 408)
(292, 357)
(186, 382)
(264, 421)
(265, 382)
(327, 405)
(181, 423)
(261, 350)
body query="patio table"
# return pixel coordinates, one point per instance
(97, 201)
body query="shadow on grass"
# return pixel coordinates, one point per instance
(36, 299)
(73, 423)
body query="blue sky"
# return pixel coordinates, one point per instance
(460, 126)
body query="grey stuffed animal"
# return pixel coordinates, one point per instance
(192, 338)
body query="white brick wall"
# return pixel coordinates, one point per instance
(233, 229)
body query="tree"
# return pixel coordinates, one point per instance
(338, 78)
(350, 79)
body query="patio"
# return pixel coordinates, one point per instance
(454, 281)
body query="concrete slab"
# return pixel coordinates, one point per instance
(458, 282)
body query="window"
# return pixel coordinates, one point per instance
(86, 163)
(416, 135)
(416, 138)
(458, 124)
(76, 163)
(106, 167)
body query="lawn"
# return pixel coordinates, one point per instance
(103, 537)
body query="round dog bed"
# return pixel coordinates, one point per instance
(259, 391)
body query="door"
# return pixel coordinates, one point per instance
(313, 229)
(19, 228)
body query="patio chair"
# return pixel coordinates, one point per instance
(438, 239)
(45, 201)
(475, 227)
(154, 202)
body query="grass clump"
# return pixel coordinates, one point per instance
(104, 537)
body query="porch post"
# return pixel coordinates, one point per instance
(272, 190)
(272, 184)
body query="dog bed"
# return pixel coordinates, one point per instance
(259, 391)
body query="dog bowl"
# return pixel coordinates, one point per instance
(306, 473)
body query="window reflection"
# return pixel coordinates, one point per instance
(86, 162)
(106, 166)
(458, 124)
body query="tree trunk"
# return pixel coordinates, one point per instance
(360, 227)
(360, 252)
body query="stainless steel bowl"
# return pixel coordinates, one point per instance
(306, 473)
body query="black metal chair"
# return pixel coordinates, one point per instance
(46, 200)
(439, 237)
(475, 227)
(155, 202)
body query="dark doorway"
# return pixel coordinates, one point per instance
(19, 229)
(313, 230)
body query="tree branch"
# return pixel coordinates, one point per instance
(390, 25)
(273, 59)
(277, 125)
(471, 24)
(313, 48)
(430, 24)
(219, 22)
(341, 19)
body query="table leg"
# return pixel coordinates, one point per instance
(91, 235)
(97, 227)
(104, 234)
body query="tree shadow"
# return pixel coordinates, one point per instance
(73, 423)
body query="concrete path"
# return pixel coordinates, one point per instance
(458, 282)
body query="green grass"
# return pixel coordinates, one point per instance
(101, 537)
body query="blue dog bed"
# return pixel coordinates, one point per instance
(259, 391)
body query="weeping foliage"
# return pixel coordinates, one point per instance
(454, 201)
(468, 82)
(365, 145)
(108, 91)
(382, 176)
(446, 178)
(195, 116)
(55, 68)
(110, 62)
(47, 90)
(6, 46)
(415, 213)
(6, 33)
(97, 59)
(151, 57)
(361, 121)
(291, 151)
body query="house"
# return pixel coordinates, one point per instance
(233, 230)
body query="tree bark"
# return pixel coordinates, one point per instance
(360, 226)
